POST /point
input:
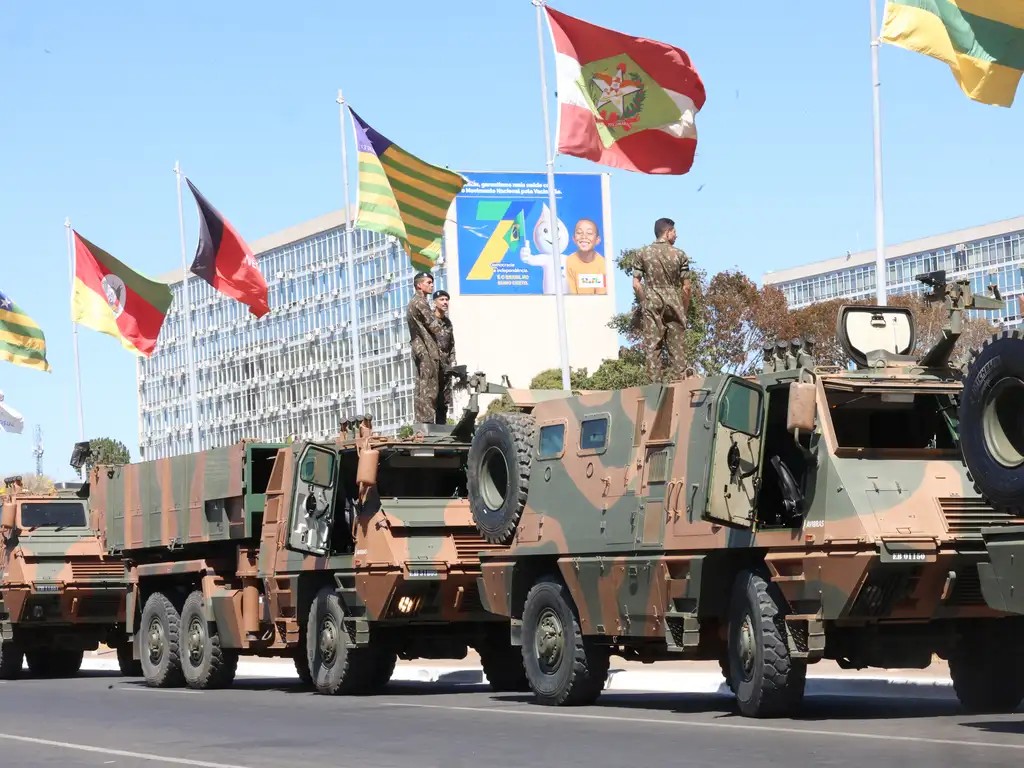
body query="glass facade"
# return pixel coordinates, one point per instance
(289, 373)
(996, 258)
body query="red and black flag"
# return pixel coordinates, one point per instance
(225, 261)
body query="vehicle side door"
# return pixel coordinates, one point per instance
(312, 516)
(733, 460)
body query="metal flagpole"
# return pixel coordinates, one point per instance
(880, 271)
(187, 310)
(350, 252)
(563, 343)
(74, 331)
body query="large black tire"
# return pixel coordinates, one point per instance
(204, 663)
(498, 473)
(54, 662)
(302, 665)
(502, 663)
(992, 421)
(987, 669)
(337, 667)
(385, 662)
(159, 651)
(11, 659)
(129, 667)
(563, 667)
(767, 681)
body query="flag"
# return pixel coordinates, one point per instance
(21, 339)
(401, 195)
(982, 41)
(113, 299)
(10, 419)
(225, 261)
(624, 101)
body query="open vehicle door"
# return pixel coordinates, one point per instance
(313, 500)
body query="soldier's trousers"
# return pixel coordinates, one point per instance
(664, 336)
(427, 391)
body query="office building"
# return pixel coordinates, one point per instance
(988, 253)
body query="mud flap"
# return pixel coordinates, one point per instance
(805, 637)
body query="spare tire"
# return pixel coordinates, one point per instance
(498, 474)
(992, 421)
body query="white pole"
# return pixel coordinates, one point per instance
(880, 271)
(350, 253)
(187, 309)
(563, 343)
(74, 332)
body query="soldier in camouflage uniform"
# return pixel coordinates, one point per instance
(446, 343)
(661, 282)
(425, 331)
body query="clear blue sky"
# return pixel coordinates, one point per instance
(100, 99)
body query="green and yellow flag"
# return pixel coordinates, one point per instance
(982, 41)
(401, 195)
(21, 339)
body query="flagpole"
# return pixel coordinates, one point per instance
(350, 263)
(187, 309)
(74, 330)
(563, 343)
(880, 271)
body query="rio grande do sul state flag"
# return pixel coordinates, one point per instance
(624, 101)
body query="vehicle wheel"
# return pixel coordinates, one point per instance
(987, 670)
(386, 661)
(160, 655)
(302, 665)
(503, 664)
(129, 667)
(991, 421)
(11, 659)
(335, 666)
(498, 473)
(54, 662)
(204, 663)
(723, 664)
(766, 680)
(562, 666)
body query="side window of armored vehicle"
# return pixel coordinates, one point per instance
(552, 441)
(318, 468)
(594, 434)
(53, 514)
(740, 409)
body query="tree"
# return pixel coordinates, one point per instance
(405, 431)
(551, 378)
(627, 371)
(105, 450)
(37, 484)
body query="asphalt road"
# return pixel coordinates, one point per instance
(105, 720)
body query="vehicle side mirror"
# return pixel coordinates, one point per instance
(7, 516)
(366, 471)
(802, 407)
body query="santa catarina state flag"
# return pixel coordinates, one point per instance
(114, 299)
(225, 261)
(624, 101)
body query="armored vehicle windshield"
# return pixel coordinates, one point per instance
(53, 514)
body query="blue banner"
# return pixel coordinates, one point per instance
(505, 234)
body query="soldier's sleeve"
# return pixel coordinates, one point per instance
(638, 263)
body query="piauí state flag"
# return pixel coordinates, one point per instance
(982, 41)
(112, 298)
(624, 101)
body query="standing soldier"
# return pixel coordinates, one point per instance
(446, 343)
(661, 282)
(424, 333)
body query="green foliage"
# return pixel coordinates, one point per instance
(405, 431)
(551, 378)
(627, 371)
(106, 450)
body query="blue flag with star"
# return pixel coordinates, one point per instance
(21, 339)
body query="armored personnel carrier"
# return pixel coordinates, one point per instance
(344, 556)
(768, 522)
(60, 593)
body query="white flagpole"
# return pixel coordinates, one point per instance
(350, 264)
(74, 331)
(187, 310)
(563, 342)
(880, 271)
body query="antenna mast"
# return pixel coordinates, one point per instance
(37, 451)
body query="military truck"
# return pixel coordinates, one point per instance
(60, 593)
(803, 513)
(344, 556)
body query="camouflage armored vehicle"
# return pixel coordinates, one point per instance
(60, 593)
(344, 556)
(768, 522)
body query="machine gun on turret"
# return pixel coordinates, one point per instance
(958, 297)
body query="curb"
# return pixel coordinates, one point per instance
(619, 680)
